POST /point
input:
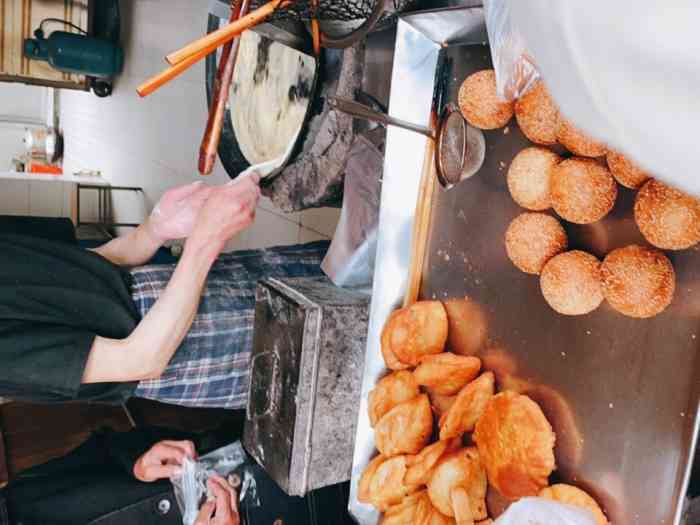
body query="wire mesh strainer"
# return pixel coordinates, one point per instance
(459, 148)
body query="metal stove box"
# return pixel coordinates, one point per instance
(306, 375)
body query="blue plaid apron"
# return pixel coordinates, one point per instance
(211, 366)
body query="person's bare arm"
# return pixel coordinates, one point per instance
(147, 351)
(173, 217)
(133, 249)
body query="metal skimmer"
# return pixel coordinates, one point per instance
(460, 148)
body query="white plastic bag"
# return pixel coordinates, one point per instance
(515, 69)
(351, 255)
(626, 73)
(539, 511)
(191, 487)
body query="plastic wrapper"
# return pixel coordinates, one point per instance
(356, 271)
(539, 511)
(191, 488)
(350, 258)
(515, 69)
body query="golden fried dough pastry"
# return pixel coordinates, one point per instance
(537, 115)
(625, 171)
(425, 510)
(389, 392)
(460, 469)
(468, 407)
(387, 487)
(421, 465)
(392, 362)
(461, 506)
(438, 518)
(516, 444)
(480, 104)
(571, 283)
(638, 281)
(485, 522)
(529, 178)
(407, 511)
(496, 503)
(532, 239)
(415, 509)
(413, 332)
(446, 373)
(363, 493)
(669, 219)
(583, 191)
(440, 404)
(577, 142)
(570, 495)
(468, 326)
(569, 450)
(406, 428)
(402, 515)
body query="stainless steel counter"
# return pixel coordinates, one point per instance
(622, 394)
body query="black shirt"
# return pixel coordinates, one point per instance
(95, 484)
(54, 299)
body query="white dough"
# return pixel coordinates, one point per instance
(269, 97)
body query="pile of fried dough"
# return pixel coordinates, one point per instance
(425, 475)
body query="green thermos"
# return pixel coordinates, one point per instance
(74, 53)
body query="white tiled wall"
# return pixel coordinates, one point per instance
(40, 199)
(21, 102)
(153, 143)
(14, 197)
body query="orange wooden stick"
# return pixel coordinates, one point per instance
(165, 76)
(226, 33)
(316, 31)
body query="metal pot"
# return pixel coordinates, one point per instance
(43, 143)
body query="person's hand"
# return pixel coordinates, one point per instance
(223, 509)
(176, 213)
(164, 460)
(229, 210)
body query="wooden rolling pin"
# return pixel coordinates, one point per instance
(215, 123)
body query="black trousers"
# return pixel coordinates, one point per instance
(94, 485)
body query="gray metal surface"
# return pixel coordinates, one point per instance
(305, 378)
(622, 394)
(361, 111)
